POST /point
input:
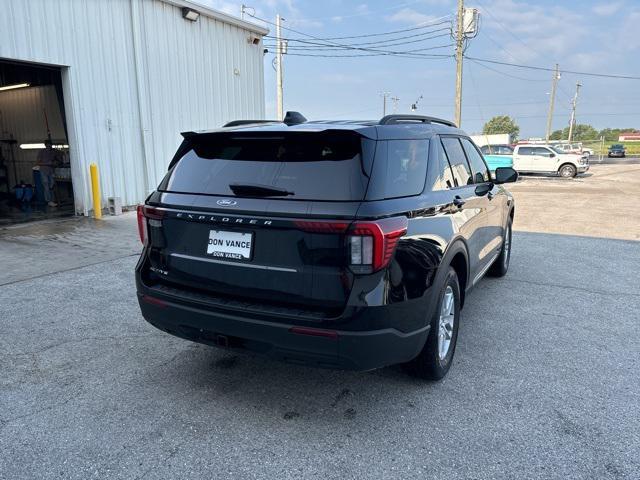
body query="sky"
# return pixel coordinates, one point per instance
(597, 36)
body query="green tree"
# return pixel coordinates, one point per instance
(502, 124)
(612, 134)
(580, 132)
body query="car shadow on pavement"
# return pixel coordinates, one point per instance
(264, 389)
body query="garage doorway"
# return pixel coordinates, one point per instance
(35, 179)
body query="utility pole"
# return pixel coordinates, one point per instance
(552, 100)
(573, 110)
(459, 51)
(384, 96)
(395, 101)
(279, 93)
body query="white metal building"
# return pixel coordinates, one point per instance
(134, 74)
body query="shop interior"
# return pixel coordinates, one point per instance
(35, 169)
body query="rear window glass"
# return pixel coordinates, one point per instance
(314, 166)
(406, 167)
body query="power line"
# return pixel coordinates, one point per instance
(393, 54)
(311, 44)
(504, 73)
(546, 69)
(434, 23)
(418, 50)
(331, 48)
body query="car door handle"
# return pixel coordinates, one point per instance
(458, 201)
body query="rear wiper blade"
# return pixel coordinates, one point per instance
(255, 190)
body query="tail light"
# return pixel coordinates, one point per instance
(154, 216)
(372, 244)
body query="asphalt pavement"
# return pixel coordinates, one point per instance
(544, 384)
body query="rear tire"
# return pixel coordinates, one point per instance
(434, 361)
(567, 171)
(501, 264)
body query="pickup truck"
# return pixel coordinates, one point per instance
(547, 159)
(497, 156)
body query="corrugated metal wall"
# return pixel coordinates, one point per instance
(22, 116)
(136, 74)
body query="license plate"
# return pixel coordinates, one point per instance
(234, 245)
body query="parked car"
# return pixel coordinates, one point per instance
(547, 159)
(576, 148)
(332, 244)
(617, 150)
(497, 156)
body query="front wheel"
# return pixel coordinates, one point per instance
(434, 361)
(567, 171)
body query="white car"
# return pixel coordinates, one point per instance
(547, 159)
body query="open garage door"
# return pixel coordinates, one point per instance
(35, 169)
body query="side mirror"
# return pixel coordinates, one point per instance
(551, 155)
(505, 175)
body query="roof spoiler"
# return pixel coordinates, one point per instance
(398, 118)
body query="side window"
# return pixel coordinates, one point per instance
(444, 180)
(542, 152)
(458, 161)
(486, 150)
(506, 150)
(478, 167)
(406, 167)
(525, 151)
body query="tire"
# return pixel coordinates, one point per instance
(501, 264)
(430, 364)
(567, 171)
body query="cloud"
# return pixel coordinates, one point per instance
(606, 9)
(412, 17)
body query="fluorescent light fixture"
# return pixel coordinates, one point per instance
(40, 146)
(17, 85)
(190, 14)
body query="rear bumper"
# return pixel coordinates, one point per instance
(360, 350)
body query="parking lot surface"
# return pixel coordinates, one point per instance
(544, 382)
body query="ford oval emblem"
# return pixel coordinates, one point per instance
(226, 202)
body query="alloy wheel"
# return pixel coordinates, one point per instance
(445, 324)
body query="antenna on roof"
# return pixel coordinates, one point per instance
(294, 118)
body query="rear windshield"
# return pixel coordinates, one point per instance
(307, 166)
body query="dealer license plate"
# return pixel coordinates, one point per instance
(234, 245)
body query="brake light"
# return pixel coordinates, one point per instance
(372, 244)
(142, 225)
(153, 214)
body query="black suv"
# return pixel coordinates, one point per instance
(338, 244)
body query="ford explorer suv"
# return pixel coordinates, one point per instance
(337, 244)
(547, 159)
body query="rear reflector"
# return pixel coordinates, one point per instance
(314, 332)
(154, 301)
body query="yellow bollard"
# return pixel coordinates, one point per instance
(95, 191)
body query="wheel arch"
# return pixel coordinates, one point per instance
(457, 256)
(575, 167)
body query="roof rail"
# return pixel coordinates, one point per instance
(237, 123)
(397, 119)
